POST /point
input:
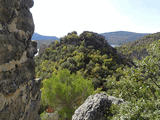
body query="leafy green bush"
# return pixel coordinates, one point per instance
(139, 110)
(140, 87)
(65, 92)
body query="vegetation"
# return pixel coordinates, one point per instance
(65, 92)
(88, 54)
(139, 87)
(71, 66)
(138, 49)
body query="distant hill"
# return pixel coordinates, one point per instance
(43, 40)
(37, 36)
(138, 48)
(121, 37)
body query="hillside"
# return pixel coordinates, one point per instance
(138, 48)
(43, 40)
(88, 53)
(122, 37)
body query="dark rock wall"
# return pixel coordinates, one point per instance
(19, 91)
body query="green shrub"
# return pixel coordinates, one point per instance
(65, 92)
(140, 87)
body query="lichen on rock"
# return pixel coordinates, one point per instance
(94, 108)
(20, 92)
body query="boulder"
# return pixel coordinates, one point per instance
(94, 108)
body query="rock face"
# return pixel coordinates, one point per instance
(19, 91)
(94, 108)
(94, 39)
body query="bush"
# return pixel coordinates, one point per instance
(140, 87)
(65, 92)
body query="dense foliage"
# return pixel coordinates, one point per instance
(65, 92)
(88, 53)
(87, 59)
(140, 87)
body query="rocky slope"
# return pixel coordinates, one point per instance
(20, 92)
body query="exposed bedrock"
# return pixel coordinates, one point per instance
(19, 91)
(94, 108)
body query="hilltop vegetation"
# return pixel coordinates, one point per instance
(138, 48)
(88, 53)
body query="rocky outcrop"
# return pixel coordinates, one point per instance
(91, 40)
(95, 40)
(19, 91)
(94, 108)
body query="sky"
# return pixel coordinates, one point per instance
(59, 17)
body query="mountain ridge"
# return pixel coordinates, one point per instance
(122, 37)
(113, 38)
(37, 36)
(43, 39)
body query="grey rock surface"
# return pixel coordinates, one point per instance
(19, 91)
(94, 108)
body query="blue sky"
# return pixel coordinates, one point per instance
(145, 13)
(58, 17)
